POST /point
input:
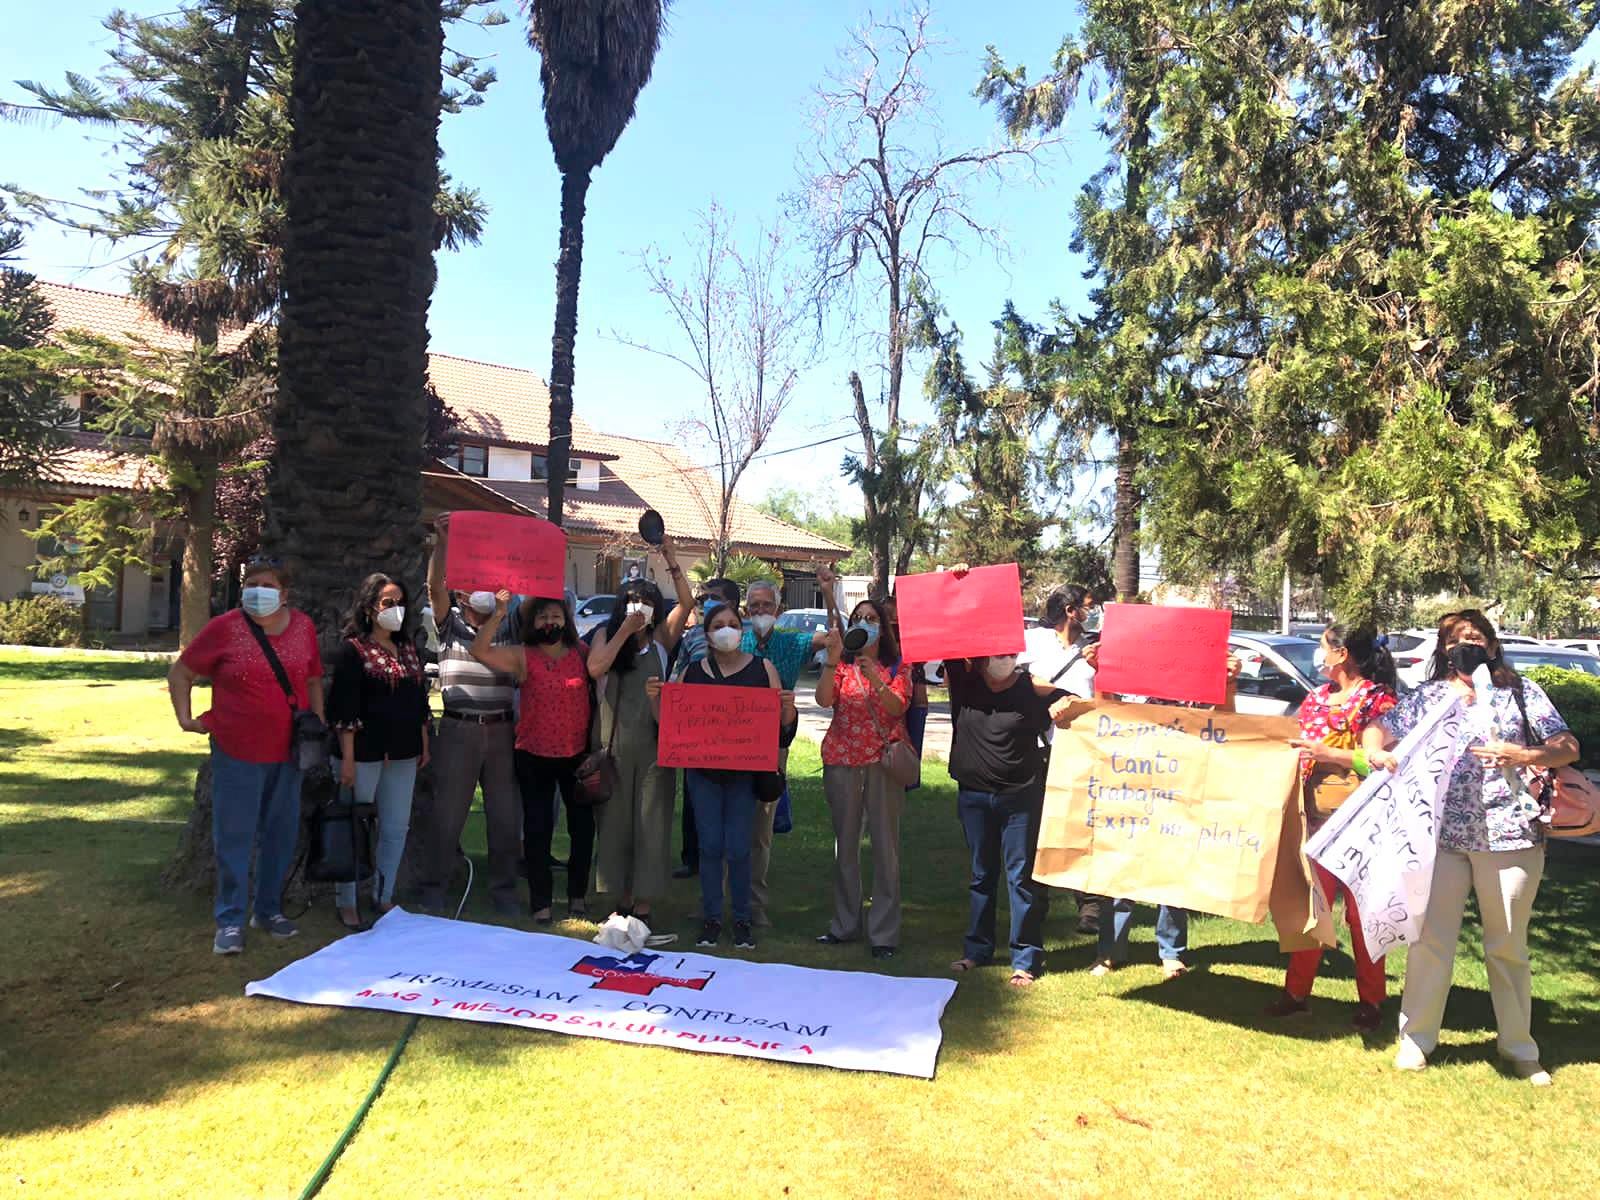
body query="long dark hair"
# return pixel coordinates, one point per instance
(530, 610)
(635, 590)
(888, 644)
(359, 623)
(1369, 653)
(1499, 670)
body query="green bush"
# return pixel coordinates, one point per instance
(1576, 695)
(40, 621)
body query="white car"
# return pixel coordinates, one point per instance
(1276, 672)
(1587, 645)
(593, 613)
(1412, 650)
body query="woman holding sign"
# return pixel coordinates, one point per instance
(630, 653)
(1338, 725)
(725, 801)
(552, 737)
(869, 702)
(1491, 839)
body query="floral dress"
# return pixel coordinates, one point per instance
(1482, 810)
(1320, 717)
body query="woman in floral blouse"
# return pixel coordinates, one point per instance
(1338, 726)
(1491, 841)
(869, 702)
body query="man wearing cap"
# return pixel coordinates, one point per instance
(474, 744)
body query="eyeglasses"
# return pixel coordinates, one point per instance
(263, 560)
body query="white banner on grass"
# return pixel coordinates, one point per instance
(441, 968)
(1381, 842)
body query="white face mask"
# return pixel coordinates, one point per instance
(482, 602)
(762, 623)
(392, 618)
(260, 601)
(1001, 666)
(639, 609)
(725, 639)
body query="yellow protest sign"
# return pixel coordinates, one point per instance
(1178, 806)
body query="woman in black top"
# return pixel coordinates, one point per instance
(379, 709)
(997, 759)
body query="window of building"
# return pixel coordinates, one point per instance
(541, 468)
(469, 460)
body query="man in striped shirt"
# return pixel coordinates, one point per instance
(474, 744)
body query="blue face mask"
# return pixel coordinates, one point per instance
(869, 631)
(260, 601)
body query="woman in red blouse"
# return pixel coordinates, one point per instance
(552, 738)
(869, 702)
(1334, 727)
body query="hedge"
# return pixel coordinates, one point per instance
(1576, 695)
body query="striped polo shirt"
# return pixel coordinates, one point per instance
(465, 683)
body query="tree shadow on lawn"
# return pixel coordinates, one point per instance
(68, 785)
(70, 670)
(13, 740)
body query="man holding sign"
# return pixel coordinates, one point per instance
(724, 740)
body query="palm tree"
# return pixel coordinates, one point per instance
(345, 495)
(595, 56)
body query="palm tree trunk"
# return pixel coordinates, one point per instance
(200, 518)
(1125, 518)
(569, 270)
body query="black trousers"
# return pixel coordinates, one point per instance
(691, 835)
(540, 779)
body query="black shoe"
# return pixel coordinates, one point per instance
(827, 939)
(684, 872)
(883, 952)
(710, 933)
(744, 937)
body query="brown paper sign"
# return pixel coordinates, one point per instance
(1178, 806)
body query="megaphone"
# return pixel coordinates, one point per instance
(855, 639)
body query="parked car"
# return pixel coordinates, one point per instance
(592, 613)
(809, 620)
(1522, 658)
(1587, 645)
(1413, 651)
(1276, 673)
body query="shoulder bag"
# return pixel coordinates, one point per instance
(1328, 787)
(308, 735)
(597, 774)
(1569, 802)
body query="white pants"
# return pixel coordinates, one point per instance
(1505, 882)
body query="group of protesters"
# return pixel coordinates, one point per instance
(526, 703)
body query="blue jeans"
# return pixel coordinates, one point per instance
(1172, 932)
(724, 818)
(388, 784)
(251, 801)
(1003, 828)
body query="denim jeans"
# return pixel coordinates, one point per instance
(724, 818)
(1172, 932)
(389, 784)
(252, 803)
(1002, 828)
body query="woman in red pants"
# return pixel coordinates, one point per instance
(1334, 740)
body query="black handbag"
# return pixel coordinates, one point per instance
(597, 774)
(340, 849)
(308, 734)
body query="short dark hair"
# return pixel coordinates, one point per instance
(726, 588)
(529, 610)
(264, 564)
(1063, 601)
(359, 622)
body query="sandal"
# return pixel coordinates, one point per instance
(1022, 979)
(356, 926)
(962, 965)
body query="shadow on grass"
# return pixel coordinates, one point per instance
(57, 670)
(13, 740)
(173, 774)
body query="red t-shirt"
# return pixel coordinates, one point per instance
(249, 716)
(861, 727)
(554, 722)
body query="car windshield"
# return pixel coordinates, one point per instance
(1400, 642)
(1302, 654)
(1523, 660)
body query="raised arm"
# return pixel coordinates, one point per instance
(672, 630)
(604, 651)
(438, 594)
(828, 581)
(826, 687)
(507, 659)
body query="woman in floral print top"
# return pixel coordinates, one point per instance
(1490, 840)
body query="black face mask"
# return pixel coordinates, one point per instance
(547, 635)
(1467, 657)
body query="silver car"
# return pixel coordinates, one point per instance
(1276, 672)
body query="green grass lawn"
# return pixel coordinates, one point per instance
(133, 1065)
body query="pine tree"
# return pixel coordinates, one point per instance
(33, 419)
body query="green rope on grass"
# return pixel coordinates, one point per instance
(326, 1169)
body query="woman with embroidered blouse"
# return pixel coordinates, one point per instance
(552, 671)
(1338, 727)
(869, 702)
(378, 707)
(1491, 838)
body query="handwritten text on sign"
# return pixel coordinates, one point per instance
(719, 727)
(489, 551)
(1169, 806)
(1169, 653)
(1381, 842)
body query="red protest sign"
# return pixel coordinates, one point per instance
(1165, 653)
(719, 727)
(945, 615)
(489, 551)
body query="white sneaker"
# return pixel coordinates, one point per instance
(1530, 1070)
(1409, 1057)
(1104, 967)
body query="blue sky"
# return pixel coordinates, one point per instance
(722, 119)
